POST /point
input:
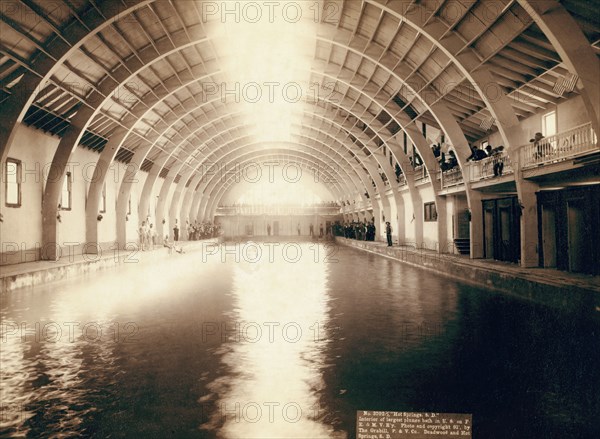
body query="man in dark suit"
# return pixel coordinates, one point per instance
(388, 233)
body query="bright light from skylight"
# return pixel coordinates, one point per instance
(279, 195)
(277, 182)
(268, 63)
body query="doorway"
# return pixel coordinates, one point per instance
(569, 238)
(501, 229)
(549, 237)
(578, 241)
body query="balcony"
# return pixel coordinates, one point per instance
(569, 144)
(320, 209)
(452, 177)
(421, 175)
(490, 167)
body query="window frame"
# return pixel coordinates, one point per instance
(69, 183)
(103, 199)
(545, 117)
(18, 182)
(430, 212)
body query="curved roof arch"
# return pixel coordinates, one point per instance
(249, 157)
(148, 89)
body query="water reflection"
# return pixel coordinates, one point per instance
(276, 354)
(193, 348)
(73, 353)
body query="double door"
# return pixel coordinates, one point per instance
(501, 225)
(569, 236)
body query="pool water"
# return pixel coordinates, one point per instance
(289, 340)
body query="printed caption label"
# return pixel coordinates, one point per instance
(407, 425)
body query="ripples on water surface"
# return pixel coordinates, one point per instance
(275, 349)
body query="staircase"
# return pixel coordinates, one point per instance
(463, 246)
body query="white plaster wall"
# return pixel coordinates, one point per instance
(569, 114)
(430, 229)
(22, 226)
(288, 225)
(71, 229)
(409, 228)
(135, 218)
(393, 219)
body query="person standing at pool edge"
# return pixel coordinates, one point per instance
(176, 231)
(388, 233)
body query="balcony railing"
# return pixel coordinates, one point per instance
(324, 209)
(401, 179)
(562, 146)
(451, 177)
(421, 173)
(490, 167)
(359, 205)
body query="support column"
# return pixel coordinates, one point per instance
(400, 222)
(418, 219)
(442, 224)
(529, 224)
(52, 192)
(476, 225)
(377, 220)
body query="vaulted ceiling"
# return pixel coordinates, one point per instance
(171, 84)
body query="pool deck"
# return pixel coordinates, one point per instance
(569, 291)
(28, 274)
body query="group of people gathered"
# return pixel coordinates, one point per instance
(202, 230)
(450, 161)
(481, 154)
(196, 231)
(359, 230)
(446, 162)
(147, 235)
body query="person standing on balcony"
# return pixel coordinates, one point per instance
(498, 160)
(477, 154)
(452, 161)
(538, 144)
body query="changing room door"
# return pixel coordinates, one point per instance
(578, 244)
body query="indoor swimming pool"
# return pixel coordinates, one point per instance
(287, 340)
